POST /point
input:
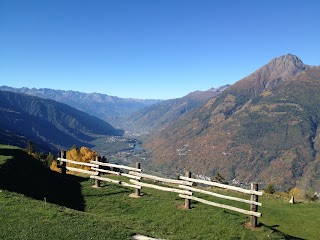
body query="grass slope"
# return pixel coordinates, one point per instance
(108, 213)
(21, 173)
(300, 220)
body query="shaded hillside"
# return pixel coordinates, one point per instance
(21, 173)
(164, 113)
(262, 128)
(108, 108)
(51, 125)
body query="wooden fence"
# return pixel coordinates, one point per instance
(184, 186)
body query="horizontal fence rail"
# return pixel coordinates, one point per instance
(219, 195)
(254, 193)
(116, 181)
(166, 189)
(81, 171)
(184, 186)
(220, 185)
(116, 166)
(116, 173)
(77, 162)
(160, 179)
(221, 205)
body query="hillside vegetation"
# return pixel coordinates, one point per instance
(263, 128)
(108, 212)
(161, 114)
(49, 124)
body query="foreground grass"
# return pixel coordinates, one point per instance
(24, 218)
(301, 220)
(111, 214)
(156, 214)
(108, 213)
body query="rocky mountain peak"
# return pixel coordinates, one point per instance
(276, 72)
(219, 89)
(287, 64)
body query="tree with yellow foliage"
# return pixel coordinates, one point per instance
(54, 167)
(83, 154)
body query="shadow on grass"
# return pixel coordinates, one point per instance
(26, 175)
(285, 236)
(121, 191)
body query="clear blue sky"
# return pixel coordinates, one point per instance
(150, 48)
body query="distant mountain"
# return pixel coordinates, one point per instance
(263, 128)
(108, 108)
(161, 114)
(49, 124)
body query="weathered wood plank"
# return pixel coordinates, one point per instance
(138, 191)
(106, 171)
(130, 185)
(166, 189)
(116, 166)
(219, 195)
(141, 237)
(106, 179)
(130, 176)
(81, 170)
(160, 179)
(116, 182)
(187, 202)
(76, 162)
(257, 214)
(254, 208)
(220, 185)
(63, 164)
(116, 173)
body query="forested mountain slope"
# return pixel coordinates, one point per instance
(262, 128)
(51, 125)
(161, 114)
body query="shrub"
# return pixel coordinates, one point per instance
(296, 192)
(270, 188)
(311, 196)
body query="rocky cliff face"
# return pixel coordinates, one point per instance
(277, 71)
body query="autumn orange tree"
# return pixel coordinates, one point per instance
(83, 154)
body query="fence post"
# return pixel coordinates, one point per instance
(187, 201)
(97, 182)
(63, 165)
(138, 165)
(253, 207)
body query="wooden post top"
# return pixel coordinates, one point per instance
(138, 165)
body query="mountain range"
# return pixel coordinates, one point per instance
(161, 114)
(49, 124)
(108, 108)
(262, 128)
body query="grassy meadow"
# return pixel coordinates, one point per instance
(46, 205)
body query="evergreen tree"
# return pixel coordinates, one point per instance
(30, 147)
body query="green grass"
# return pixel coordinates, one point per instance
(109, 213)
(25, 218)
(301, 220)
